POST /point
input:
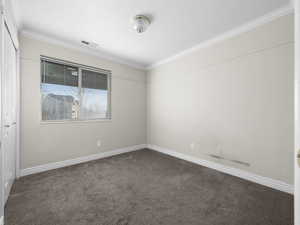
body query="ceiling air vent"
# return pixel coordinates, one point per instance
(90, 44)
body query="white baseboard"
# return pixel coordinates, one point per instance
(269, 182)
(55, 165)
(266, 181)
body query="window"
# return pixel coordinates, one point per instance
(71, 91)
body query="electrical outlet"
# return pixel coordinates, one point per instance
(98, 143)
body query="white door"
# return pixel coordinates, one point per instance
(297, 112)
(9, 94)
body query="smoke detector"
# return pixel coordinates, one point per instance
(141, 23)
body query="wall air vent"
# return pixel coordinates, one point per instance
(231, 160)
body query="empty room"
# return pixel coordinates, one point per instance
(148, 112)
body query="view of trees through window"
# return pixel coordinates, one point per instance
(72, 93)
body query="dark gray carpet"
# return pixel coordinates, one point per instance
(144, 188)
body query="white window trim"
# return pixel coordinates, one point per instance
(45, 122)
(80, 67)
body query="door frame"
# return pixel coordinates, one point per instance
(297, 111)
(7, 22)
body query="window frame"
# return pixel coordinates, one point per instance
(80, 68)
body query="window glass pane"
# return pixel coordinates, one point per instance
(94, 95)
(54, 73)
(94, 80)
(64, 98)
(60, 92)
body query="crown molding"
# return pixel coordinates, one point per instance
(101, 55)
(229, 34)
(288, 9)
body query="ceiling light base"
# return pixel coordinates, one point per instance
(141, 23)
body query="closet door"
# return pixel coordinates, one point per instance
(9, 94)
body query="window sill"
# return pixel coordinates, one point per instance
(74, 121)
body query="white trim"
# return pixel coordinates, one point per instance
(229, 34)
(297, 112)
(266, 181)
(218, 38)
(2, 203)
(55, 165)
(9, 21)
(83, 49)
(18, 119)
(1, 220)
(46, 122)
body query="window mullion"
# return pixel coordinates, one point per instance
(80, 92)
(109, 96)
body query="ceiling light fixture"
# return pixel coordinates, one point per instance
(141, 23)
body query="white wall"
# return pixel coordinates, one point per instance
(234, 99)
(46, 143)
